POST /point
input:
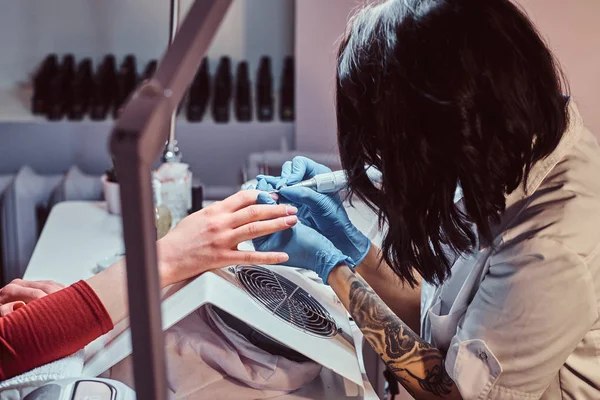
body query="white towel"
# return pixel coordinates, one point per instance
(20, 386)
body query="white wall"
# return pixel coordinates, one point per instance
(30, 29)
(572, 28)
(319, 24)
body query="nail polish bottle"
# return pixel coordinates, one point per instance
(81, 91)
(199, 93)
(41, 84)
(286, 99)
(126, 83)
(59, 98)
(222, 91)
(264, 90)
(243, 103)
(149, 70)
(104, 90)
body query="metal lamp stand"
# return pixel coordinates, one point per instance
(136, 141)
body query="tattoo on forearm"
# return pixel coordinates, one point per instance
(408, 356)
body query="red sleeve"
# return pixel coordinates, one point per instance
(51, 328)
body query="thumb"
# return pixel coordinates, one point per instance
(265, 198)
(299, 169)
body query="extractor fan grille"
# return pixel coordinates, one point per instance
(286, 300)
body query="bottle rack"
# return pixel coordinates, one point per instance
(66, 88)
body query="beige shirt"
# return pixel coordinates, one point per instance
(521, 321)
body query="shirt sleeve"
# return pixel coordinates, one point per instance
(531, 310)
(51, 328)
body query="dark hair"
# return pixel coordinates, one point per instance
(439, 92)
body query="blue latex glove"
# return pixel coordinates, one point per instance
(323, 212)
(306, 247)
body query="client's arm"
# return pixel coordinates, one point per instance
(65, 321)
(50, 328)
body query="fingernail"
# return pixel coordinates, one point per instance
(18, 305)
(291, 210)
(290, 221)
(282, 258)
(274, 196)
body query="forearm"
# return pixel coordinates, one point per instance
(110, 286)
(50, 328)
(403, 300)
(417, 365)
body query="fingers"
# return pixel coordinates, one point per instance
(46, 286)
(270, 180)
(264, 186)
(304, 168)
(314, 200)
(7, 308)
(260, 212)
(257, 229)
(256, 257)
(265, 198)
(15, 292)
(241, 199)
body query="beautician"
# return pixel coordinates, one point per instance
(492, 296)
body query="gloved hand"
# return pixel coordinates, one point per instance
(323, 212)
(306, 247)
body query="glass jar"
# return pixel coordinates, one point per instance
(163, 221)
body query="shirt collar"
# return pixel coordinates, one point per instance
(541, 169)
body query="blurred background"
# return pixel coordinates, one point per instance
(48, 157)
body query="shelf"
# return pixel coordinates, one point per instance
(15, 107)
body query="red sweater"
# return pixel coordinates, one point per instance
(51, 328)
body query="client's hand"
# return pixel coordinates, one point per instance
(208, 239)
(306, 247)
(19, 292)
(323, 212)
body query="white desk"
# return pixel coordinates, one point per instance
(79, 234)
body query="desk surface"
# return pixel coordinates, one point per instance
(77, 236)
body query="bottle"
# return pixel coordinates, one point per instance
(222, 91)
(104, 89)
(199, 93)
(81, 91)
(264, 90)
(59, 96)
(126, 80)
(149, 70)
(163, 221)
(41, 84)
(163, 218)
(243, 103)
(286, 97)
